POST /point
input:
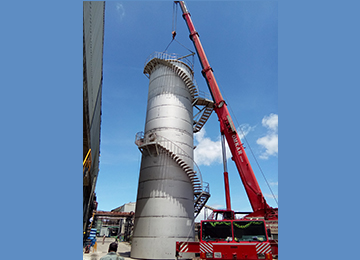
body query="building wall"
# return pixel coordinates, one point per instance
(93, 39)
(128, 207)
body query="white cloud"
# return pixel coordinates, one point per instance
(270, 122)
(270, 141)
(270, 196)
(209, 151)
(244, 129)
(120, 9)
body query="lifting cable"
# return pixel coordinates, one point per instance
(173, 32)
(174, 19)
(168, 45)
(192, 53)
(254, 157)
(173, 26)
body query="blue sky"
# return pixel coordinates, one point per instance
(241, 42)
(318, 101)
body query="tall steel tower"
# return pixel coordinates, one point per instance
(170, 190)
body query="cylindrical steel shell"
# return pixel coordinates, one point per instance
(165, 201)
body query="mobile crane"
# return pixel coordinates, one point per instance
(229, 238)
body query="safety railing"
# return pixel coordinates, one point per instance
(202, 94)
(142, 140)
(206, 187)
(170, 56)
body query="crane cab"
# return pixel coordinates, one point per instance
(234, 239)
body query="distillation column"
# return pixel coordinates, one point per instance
(165, 200)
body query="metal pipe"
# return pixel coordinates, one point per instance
(226, 175)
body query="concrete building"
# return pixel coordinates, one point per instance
(93, 41)
(128, 207)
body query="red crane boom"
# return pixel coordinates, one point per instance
(256, 198)
(234, 248)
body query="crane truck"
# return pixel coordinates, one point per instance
(255, 235)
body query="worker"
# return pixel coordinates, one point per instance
(111, 255)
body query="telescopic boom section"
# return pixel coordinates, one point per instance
(247, 176)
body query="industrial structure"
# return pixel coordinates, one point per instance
(118, 222)
(171, 191)
(114, 224)
(93, 41)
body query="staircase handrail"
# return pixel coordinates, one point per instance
(141, 140)
(201, 93)
(169, 56)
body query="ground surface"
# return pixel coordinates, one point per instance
(102, 249)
